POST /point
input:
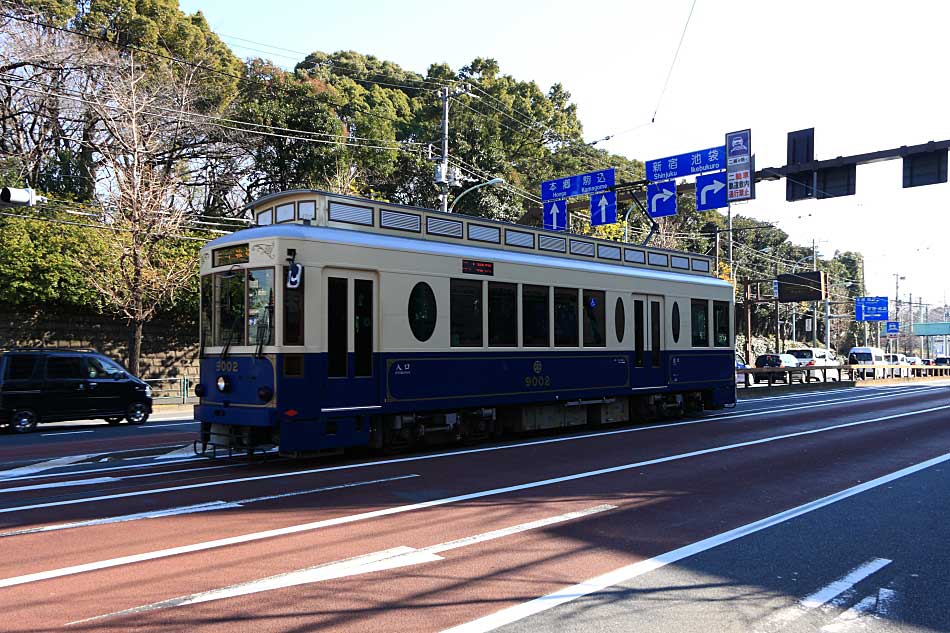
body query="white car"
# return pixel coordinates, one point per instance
(873, 357)
(897, 359)
(818, 357)
(915, 360)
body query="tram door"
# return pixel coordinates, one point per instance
(656, 336)
(351, 340)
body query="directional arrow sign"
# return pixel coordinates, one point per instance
(555, 215)
(603, 208)
(711, 192)
(661, 199)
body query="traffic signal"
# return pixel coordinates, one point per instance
(13, 197)
(925, 168)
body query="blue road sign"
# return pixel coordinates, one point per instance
(711, 192)
(870, 309)
(579, 185)
(661, 199)
(893, 327)
(701, 162)
(603, 208)
(555, 215)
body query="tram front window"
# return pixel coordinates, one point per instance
(260, 306)
(229, 308)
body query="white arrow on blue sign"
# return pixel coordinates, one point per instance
(661, 199)
(603, 208)
(555, 215)
(711, 192)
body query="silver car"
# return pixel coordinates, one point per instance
(818, 357)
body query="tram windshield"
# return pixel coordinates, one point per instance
(238, 307)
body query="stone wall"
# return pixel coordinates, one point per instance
(169, 349)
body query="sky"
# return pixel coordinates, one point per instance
(867, 75)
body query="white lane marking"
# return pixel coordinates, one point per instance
(199, 507)
(855, 618)
(784, 617)
(387, 559)
(886, 600)
(178, 452)
(629, 572)
(96, 471)
(373, 514)
(815, 403)
(58, 433)
(60, 484)
(39, 467)
(415, 458)
(145, 427)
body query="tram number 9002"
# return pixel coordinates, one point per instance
(226, 366)
(537, 381)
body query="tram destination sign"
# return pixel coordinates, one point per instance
(578, 185)
(477, 267)
(230, 255)
(689, 164)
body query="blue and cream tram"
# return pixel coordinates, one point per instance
(340, 322)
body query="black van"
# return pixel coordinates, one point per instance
(51, 385)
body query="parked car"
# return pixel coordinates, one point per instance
(942, 360)
(873, 357)
(914, 360)
(897, 359)
(927, 361)
(817, 357)
(741, 364)
(55, 384)
(784, 361)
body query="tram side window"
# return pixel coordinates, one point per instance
(207, 308)
(721, 323)
(363, 327)
(595, 319)
(699, 322)
(565, 317)
(655, 334)
(502, 314)
(260, 307)
(465, 308)
(638, 333)
(293, 313)
(535, 318)
(229, 308)
(337, 335)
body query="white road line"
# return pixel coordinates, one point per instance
(145, 427)
(199, 507)
(14, 473)
(96, 471)
(415, 458)
(855, 618)
(187, 450)
(60, 484)
(784, 617)
(387, 559)
(58, 433)
(373, 514)
(629, 572)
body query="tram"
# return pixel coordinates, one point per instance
(340, 322)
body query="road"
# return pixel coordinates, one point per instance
(788, 513)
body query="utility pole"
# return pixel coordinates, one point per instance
(732, 274)
(444, 176)
(778, 321)
(814, 305)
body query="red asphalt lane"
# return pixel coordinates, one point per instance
(661, 507)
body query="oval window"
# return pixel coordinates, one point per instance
(620, 319)
(675, 322)
(422, 311)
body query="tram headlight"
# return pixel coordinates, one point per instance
(265, 393)
(223, 384)
(200, 390)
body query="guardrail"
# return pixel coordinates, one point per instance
(171, 390)
(830, 373)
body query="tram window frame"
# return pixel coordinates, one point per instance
(595, 318)
(699, 322)
(675, 321)
(656, 334)
(502, 314)
(206, 314)
(422, 311)
(639, 332)
(535, 332)
(221, 335)
(253, 334)
(721, 324)
(465, 313)
(363, 327)
(566, 310)
(620, 319)
(311, 210)
(294, 332)
(266, 213)
(338, 331)
(284, 213)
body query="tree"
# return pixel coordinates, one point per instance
(144, 147)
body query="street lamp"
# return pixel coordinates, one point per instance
(488, 183)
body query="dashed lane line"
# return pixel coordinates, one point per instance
(373, 514)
